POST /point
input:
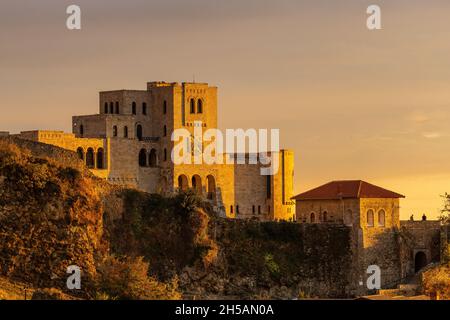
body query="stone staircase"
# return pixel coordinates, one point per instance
(402, 291)
(408, 290)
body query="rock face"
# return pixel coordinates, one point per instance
(54, 213)
(50, 218)
(216, 257)
(274, 261)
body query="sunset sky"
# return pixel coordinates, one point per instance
(351, 103)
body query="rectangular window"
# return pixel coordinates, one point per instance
(268, 187)
(231, 209)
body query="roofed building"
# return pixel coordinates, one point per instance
(349, 202)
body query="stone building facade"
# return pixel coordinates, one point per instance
(129, 143)
(399, 248)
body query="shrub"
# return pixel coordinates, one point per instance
(437, 281)
(271, 265)
(127, 278)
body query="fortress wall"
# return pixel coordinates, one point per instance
(94, 126)
(312, 259)
(283, 207)
(380, 245)
(419, 236)
(124, 163)
(43, 150)
(251, 190)
(63, 140)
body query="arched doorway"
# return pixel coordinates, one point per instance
(197, 184)
(90, 163)
(80, 153)
(211, 187)
(139, 132)
(152, 160)
(142, 158)
(183, 183)
(420, 261)
(100, 158)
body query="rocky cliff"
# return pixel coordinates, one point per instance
(129, 244)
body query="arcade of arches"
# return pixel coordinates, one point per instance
(148, 159)
(94, 159)
(209, 185)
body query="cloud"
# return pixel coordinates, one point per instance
(419, 117)
(431, 135)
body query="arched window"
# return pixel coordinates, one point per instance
(81, 130)
(117, 107)
(312, 217)
(199, 106)
(381, 218)
(106, 107)
(111, 107)
(197, 184)
(133, 108)
(183, 183)
(139, 132)
(370, 218)
(192, 106)
(348, 218)
(259, 209)
(231, 209)
(211, 187)
(164, 131)
(90, 158)
(114, 131)
(253, 209)
(325, 216)
(144, 108)
(125, 132)
(100, 158)
(237, 209)
(142, 158)
(165, 107)
(152, 159)
(80, 153)
(165, 155)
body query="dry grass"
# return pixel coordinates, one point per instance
(10, 290)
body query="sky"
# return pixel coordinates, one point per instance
(352, 103)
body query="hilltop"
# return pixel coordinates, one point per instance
(130, 244)
(134, 245)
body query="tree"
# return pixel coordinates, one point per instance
(445, 212)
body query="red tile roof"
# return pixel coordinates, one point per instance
(347, 189)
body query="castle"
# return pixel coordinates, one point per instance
(129, 143)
